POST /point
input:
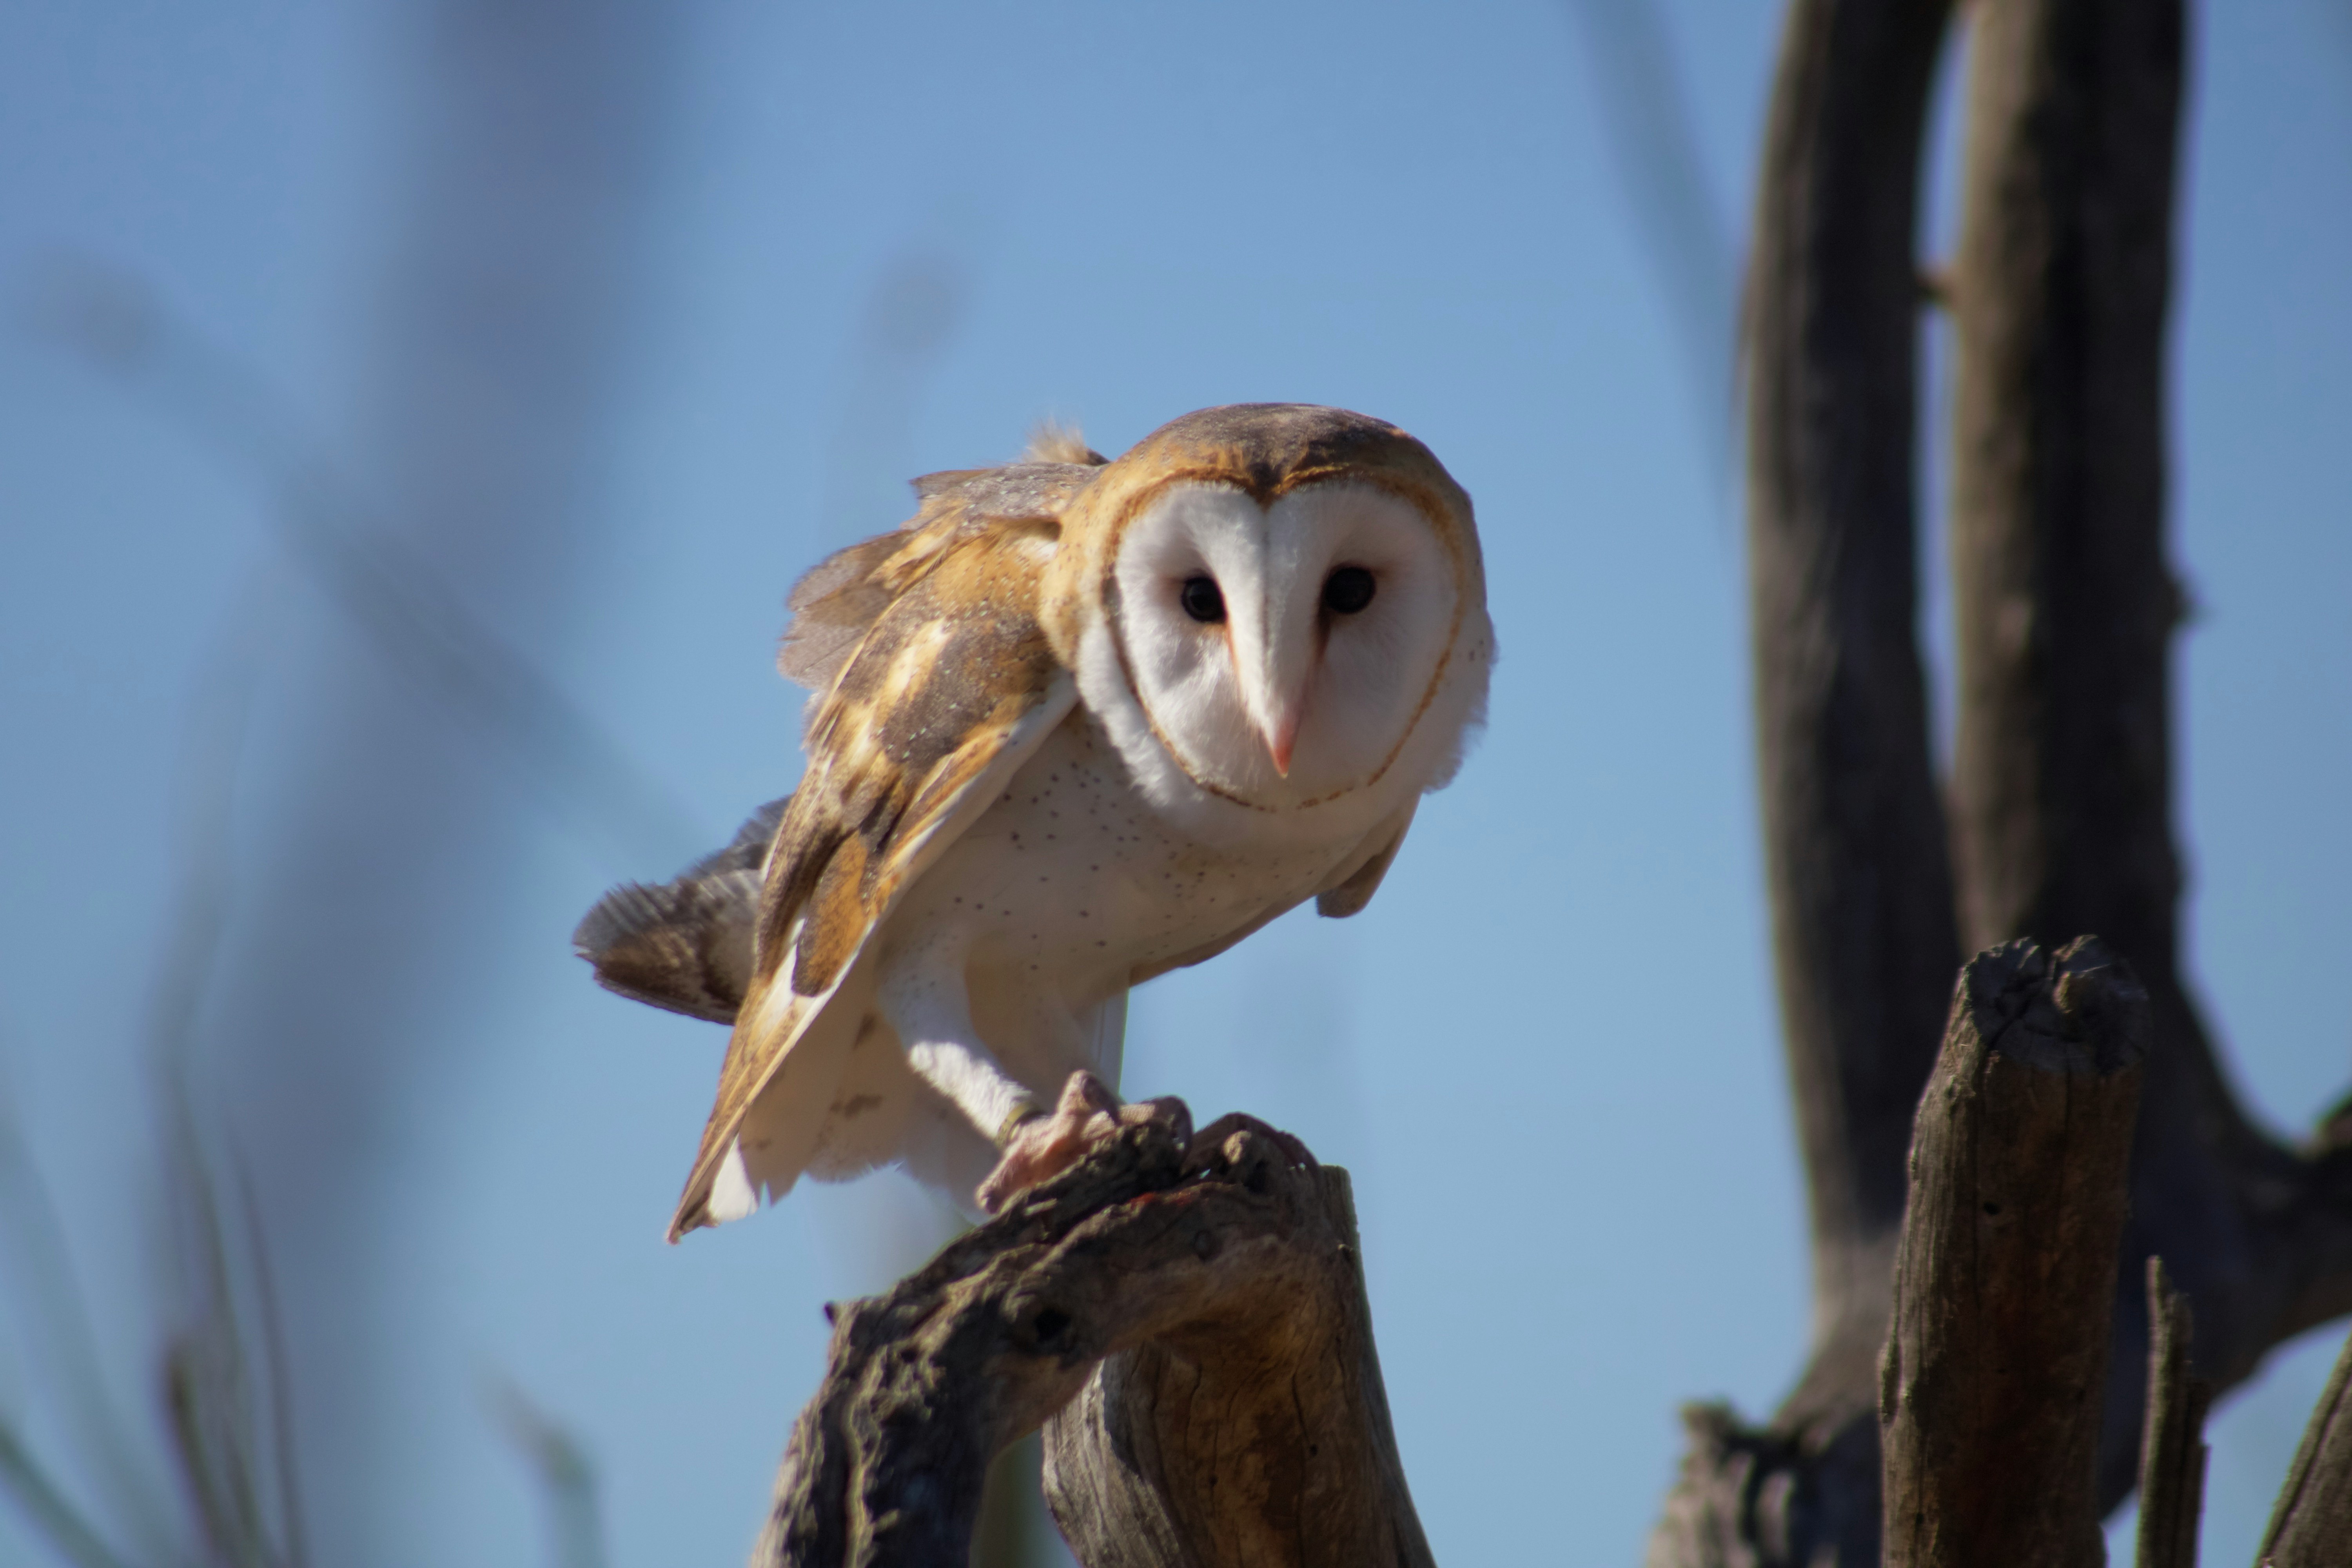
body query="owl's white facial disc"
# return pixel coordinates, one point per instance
(1284, 655)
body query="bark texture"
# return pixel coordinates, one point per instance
(1201, 1300)
(1256, 1434)
(1989, 1394)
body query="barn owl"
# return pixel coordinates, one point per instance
(1080, 722)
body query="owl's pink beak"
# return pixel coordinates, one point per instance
(1274, 662)
(1280, 736)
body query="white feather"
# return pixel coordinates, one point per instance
(732, 1195)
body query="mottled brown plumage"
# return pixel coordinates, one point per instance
(933, 696)
(686, 945)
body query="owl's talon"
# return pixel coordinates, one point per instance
(1045, 1146)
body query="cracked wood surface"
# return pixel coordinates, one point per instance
(1997, 1356)
(1187, 1318)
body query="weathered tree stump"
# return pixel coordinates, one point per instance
(1995, 1360)
(1200, 1299)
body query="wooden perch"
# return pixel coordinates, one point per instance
(1201, 1300)
(2313, 1523)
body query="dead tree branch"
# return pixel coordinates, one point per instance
(2065, 610)
(1989, 1395)
(2172, 1436)
(1864, 932)
(2061, 794)
(1204, 1306)
(2314, 1518)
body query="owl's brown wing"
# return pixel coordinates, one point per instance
(949, 688)
(844, 593)
(685, 945)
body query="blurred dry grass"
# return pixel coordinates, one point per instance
(486, 404)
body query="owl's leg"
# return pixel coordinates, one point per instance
(926, 1002)
(925, 995)
(1044, 1143)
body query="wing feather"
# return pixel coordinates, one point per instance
(843, 595)
(685, 945)
(949, 689)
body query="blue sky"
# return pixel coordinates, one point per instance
(1548, 1050)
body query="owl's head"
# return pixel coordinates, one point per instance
(1289, 603)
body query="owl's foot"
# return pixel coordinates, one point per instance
(1086, 1115)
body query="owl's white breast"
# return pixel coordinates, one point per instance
(1074, 881)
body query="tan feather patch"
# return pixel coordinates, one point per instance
(1054, 442)
(949, 687)
(843, 595)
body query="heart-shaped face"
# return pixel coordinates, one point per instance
(1285, 654)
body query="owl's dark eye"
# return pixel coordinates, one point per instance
(1347, 590)
(1201, 601)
